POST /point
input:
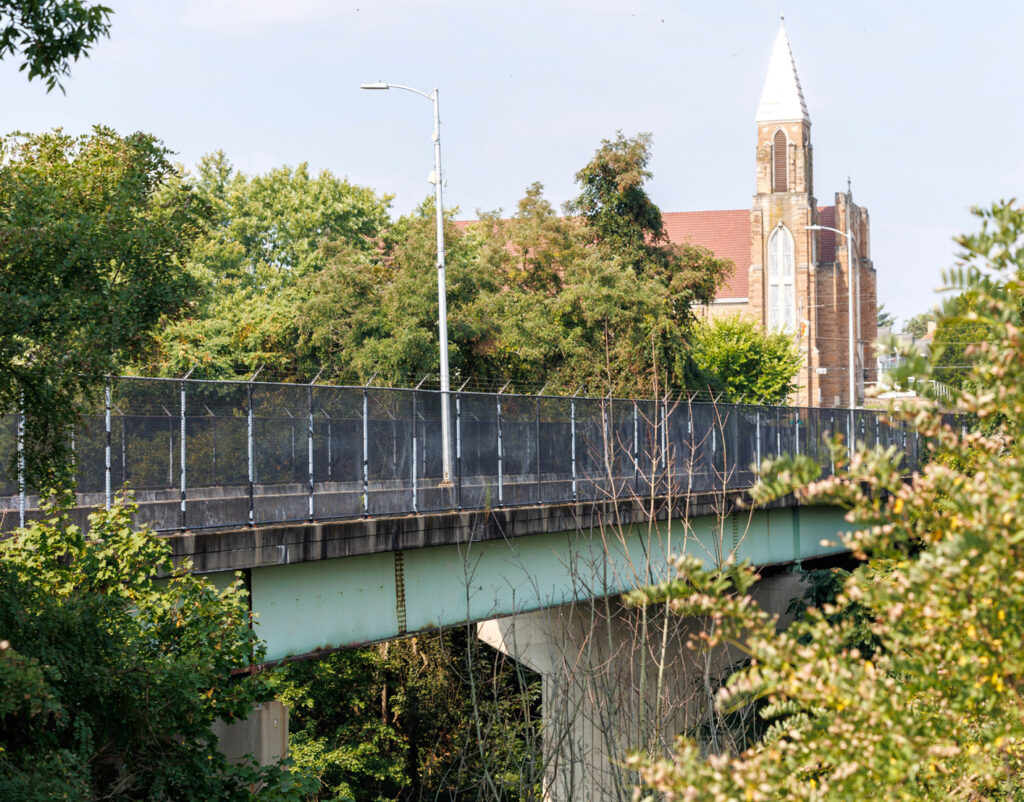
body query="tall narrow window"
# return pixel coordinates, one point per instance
(779, 160)
(781, 281)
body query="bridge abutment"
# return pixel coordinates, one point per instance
(617, 680)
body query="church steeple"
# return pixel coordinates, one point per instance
(782, 99)
(783, 127)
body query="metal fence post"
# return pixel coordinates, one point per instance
(796, 431)
(572, 429)
(21, 461)
(251, 447)
(665, 445)
(757, 435)
(778, 432)
(501, 488)
(183, 453)
(636, 449)
(415, 428)
(309, 440)
(540, 492)
(605, 402)
(250, 453)
(366, 452)
(124, 450)
(108, 490)
(692, 447)
(458, 445)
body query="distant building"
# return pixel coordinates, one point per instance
(789, 277)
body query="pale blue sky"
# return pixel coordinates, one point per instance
(919, 102)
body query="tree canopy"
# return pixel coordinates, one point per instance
(93, 234)
(300, 274)
(745, 363)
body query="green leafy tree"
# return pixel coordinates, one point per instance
(375, 313)
(917, 326)
(50, 34)
(626, 227)
(110, 679)
(958, 334)
(745, 362)
(256, 265)
(433, 717)
(93, 231)
(935, 712)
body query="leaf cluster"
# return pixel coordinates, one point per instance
(50, 34)
(111, 678)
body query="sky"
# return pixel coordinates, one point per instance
(918, 103)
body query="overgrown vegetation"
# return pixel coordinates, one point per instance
(934, 710)
(110, 679)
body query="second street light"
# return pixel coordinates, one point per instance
(442, 297)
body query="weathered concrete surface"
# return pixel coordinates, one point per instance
(262, 737)
(286, 544)
(617, 679)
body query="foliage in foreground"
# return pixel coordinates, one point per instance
(935, 711)
(110, 679)
(50, 34)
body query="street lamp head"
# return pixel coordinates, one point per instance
(378, 85)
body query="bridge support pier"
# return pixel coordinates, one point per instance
(617, 680)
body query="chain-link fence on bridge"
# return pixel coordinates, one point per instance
(218, 454)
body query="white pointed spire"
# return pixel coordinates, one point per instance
(782, 99)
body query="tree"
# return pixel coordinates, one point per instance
(935, 712)
(256, 264)
(958, 333)
(50, 34)
(886, 319)
(745, 362)
(111, 679)
(429, 717)
(375, 313)
(626, 227)
(624, 221)
(917, 326)
(93, 231)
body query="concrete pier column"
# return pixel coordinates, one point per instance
(617, 680)
(262, 736)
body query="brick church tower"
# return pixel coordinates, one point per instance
(798, 279)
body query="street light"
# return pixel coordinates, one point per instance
(442, 297)
(850, 240)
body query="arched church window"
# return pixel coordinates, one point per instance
(779, 182)
(781, 281)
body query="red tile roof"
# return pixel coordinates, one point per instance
(725, 233)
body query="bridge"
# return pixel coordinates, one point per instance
(330, 502)
(305, 485)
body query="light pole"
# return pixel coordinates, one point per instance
(850, 240)
(442, 296)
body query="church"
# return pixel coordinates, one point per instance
(793, 258)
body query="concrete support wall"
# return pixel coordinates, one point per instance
(263, 736)
(616, 680)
